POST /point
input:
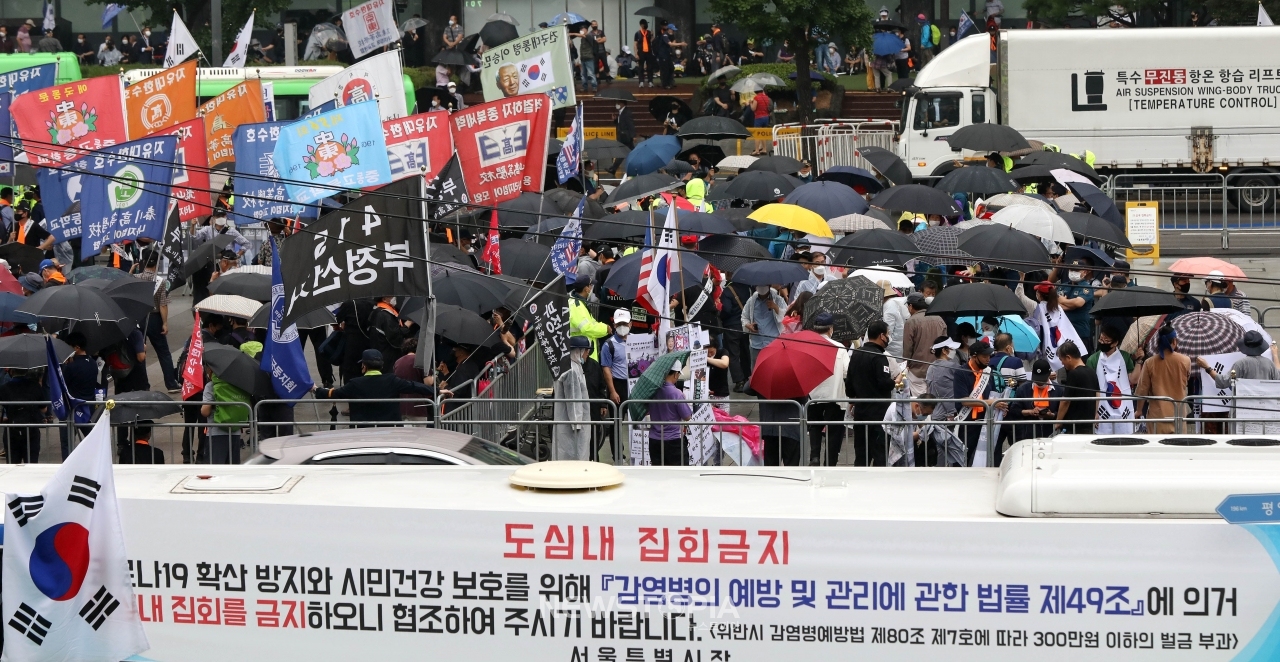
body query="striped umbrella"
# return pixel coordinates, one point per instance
(850, 223)
(940, 245)
(1203, 333)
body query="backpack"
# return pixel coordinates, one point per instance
(226, 392)
(935, 35)
(120, 361)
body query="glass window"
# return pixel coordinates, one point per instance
(361, 458)
(978, 109)
(937, 111)
(491, 453)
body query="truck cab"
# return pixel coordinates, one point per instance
(952, 91)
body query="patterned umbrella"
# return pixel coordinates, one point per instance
(939, 245)
(855, 302)
(651, 379)
(850, 223)
(1202, 333)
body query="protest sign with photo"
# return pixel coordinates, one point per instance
(504, 147)
(535, 64)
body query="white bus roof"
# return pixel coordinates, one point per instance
(248, 73)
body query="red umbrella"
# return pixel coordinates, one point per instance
(8, 283)
(792, 365)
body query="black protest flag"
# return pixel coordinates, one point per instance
(549, 311)
(448, 191)
(375, 246)
(172, 248)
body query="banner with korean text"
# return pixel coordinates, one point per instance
(340, 149)
(418, 145)
(57, 123)
(535, 64)
(372, 247)
(17, 82)
(370, 26)
(260, 195)
(242, 104)
(503, 146)
(191, 170)
(129, 197)
(379, 78)
(161, 101)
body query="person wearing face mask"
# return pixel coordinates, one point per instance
(85, 50)
(624, 124)
(143, 52)
(1076, 298)
(869, 379)
(571, 437)
(762, 315)
(1181, 288)
(941, 375)
(452, 34)
(1117, 372)
(435, 106)
(1051, 323)
(7, 44)
(613, 357)
(108, 54)
(581, 323)
(965, 335)
(919, 334)
(975, 395)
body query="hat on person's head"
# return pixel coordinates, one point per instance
(47, 264)
(1215, 276)
(1044, 287)
(824, 318)
(1252, 344)
(621, 316)
(228, 255)
(371, 356)
(887, 287)
(452, 85)
(980, 348)
(921, 17)
(1040, 371)
(676, 366)
(30, 23)
(579, 342)
(917, 300)
(947, 343)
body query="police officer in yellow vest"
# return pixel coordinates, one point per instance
(581, 323)
(997, 160)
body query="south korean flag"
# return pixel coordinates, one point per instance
(67, 593)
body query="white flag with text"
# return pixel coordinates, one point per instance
(67, 591)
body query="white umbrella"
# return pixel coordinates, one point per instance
(723, 71)
(250, 269)
(973, 223)
(767, 79)
(876, 274)
(1036, 221)
(1002, 200)
(746, 86)
(231, 305)
(854, 222)
(736, 162)
(1065, 177)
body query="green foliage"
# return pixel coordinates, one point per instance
(234, 15)
(780, 69)
(845, 21)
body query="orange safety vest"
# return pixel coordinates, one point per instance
(976, 412)
(1040, 395)
(387, 307)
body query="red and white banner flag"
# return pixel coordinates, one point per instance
(193, 369)
(491, 254)
(503, 147)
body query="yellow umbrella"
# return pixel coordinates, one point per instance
(792, 217)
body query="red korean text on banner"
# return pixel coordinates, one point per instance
(492, 255)
(418, 145)
(502, 146)
(193, 369)
(56, 123)
(191, 170)
(242, 104)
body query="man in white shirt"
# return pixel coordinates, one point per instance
(994, 9)
(895, 315)
(828, 414)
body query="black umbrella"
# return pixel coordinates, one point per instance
(976, 179)
(730, 252)
(1033, 171)
(548, 231)
(451, 57)
(987, 137)
(442, 253)
(553, 147)
(874, 247)
(526, 260)
(470, 43)
(143, 405)
(694, 222)
(22, 255)
(770, 272)
(902, 84)
(1059, 160)
(643, 186)
(916, 198)
(623, 225)
(498, 32)
(854, 302)
(658, 12)
(1101, 204)
(977, 299)
(248, 285)
(312, 320)
(758, 185)
(624, 275)
(525, 211)
(136, 297)
(616, 93)
(708, 153)
(236, 368)
(783, 165)
(566, 202)
(1002, 246)
(853, 178)
(828, 199)
(660, 106)
(205, 254)
(677, 167)
(1093, 227)
(463, 326)
(603, 149)
(72, 302)
(1136, 301)
(738, 216)
(27, 350)
(472, 291)
(80, 274)
(711, 127)
(886, 163)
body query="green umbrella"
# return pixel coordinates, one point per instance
(650, 380)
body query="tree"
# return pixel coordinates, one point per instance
(196, 14)
(801, 23)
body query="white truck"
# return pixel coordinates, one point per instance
(1168, 100)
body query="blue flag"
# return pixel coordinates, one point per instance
(260, 196)
(966, 27)
(17, 82)
(129, 197)
(571, 153)
(109, 14)
(282, 356)
(333, 151)
(59, 187)
(325, 107)
(564, 254)
(53, 381)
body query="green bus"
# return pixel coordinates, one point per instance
(68, 65)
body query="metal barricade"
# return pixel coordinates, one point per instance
(840, 140)
(532, 434)
(798, 141)
(1249, 201)
(279, 418)
(504, 398)
(640, 447)
(1187, 201)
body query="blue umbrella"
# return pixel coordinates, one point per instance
(651, 155)
(851, 176)
(828, 199)
(1097, 257)
(567, 18)
(9, 301)
(1101, 204)
(1025, 339)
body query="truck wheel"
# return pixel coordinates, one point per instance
(1252, 192)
